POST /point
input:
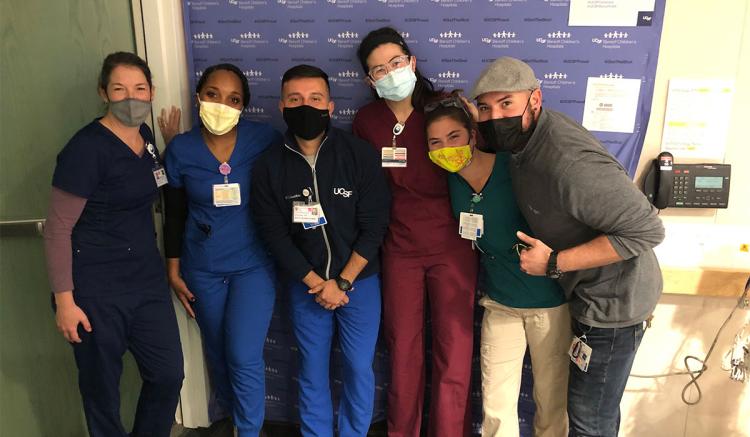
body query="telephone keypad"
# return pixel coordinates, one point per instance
(685, 195)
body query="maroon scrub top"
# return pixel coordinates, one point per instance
(422, 222)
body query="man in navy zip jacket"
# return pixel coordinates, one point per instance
(321, 204)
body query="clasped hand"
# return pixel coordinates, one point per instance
(328, 295)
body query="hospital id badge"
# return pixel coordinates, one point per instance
(306, 212)
(321, 221)
(471, 226)
(580, 353)
(160, 176)
(226, 195)
(393, 156)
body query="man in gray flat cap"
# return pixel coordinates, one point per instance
(595, 233)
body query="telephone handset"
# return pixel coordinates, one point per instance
(686, 185)
(659, 180)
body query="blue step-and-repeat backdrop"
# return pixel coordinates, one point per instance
(453, 41)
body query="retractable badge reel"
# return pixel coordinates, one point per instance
(160, 175)
(308, 213)
(394, 156)
(226, 194)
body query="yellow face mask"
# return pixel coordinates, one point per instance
(218, 118)
(452, 159)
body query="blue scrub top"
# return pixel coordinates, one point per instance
(114, 242)
(218, 239)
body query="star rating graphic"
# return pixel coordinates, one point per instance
(449, 75)
(615, 35)
(404, 35)
(348, 35)
(253, 73)
(203, 35)
(347, 111)
(555, 75)
(450, 34)
(611, 76)
(504, 34)
(250, 35)
(348, 73)
(558, 35)
(199, 73)
(255, 110)
(298, 35)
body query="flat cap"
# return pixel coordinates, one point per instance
(505, 74)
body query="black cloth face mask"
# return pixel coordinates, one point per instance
(506, 134)
(306, 122)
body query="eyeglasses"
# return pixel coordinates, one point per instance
(380, 71)
(450, 102)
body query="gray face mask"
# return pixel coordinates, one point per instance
(130, 112)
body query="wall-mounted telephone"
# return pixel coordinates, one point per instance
(686, 185)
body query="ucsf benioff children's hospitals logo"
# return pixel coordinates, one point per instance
(298, 40)
(249, 40)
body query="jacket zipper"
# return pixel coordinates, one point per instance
(317, 197)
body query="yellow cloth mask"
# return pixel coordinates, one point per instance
(452, 159)
(218, 118)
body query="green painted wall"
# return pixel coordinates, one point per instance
(50, 54)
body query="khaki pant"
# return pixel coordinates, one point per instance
(505, 333)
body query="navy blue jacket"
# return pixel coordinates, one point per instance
(347, 180)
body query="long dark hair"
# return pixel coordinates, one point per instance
(424, 90)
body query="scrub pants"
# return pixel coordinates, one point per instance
(233, 312)
(358, 323)
(146, 325)
(448, 280)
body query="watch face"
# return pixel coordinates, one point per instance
(554, 274)
(343, 284)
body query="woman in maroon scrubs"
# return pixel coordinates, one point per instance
(425, 262)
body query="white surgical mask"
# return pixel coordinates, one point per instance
(397, 85)
(218, 118)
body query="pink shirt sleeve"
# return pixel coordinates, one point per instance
(64, 211)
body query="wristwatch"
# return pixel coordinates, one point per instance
(343, 284)
(552, 270)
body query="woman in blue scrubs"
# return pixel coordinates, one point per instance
(216, 263)
(110, 290)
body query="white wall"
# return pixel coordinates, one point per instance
(700, 39)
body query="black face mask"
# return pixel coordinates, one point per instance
(506, 134)
(306, 122)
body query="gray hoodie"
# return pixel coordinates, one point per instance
(571, 190)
